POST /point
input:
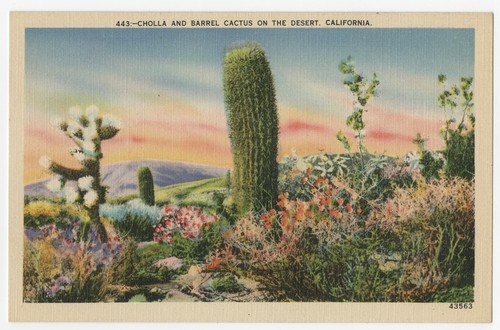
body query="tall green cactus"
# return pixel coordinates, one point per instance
(146, 185)
(253, 126)
(87, 129)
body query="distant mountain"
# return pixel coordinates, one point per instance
(122, 177)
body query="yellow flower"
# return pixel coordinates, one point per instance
(41, 208)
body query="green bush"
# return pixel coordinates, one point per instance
(433, 225)
(431, 165)
(145, 271)
(458, 135)
(133, 219)
(351, 270)
(459, 295)
(136, 266)
(413, 247)
(135, 227)
(460, 155)
(39, 213)
(198, 250)
(226, 282)
(223, 209)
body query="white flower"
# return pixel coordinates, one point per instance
(54, 185)
(85, 183)
(71, 194)
(92, 112)
(75, 112)
(90, 198)
(45, 162)
(110, 121)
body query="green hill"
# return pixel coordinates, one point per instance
(197, 193)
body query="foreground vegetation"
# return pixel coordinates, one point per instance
(410, 240)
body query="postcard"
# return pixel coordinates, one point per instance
(250, 167)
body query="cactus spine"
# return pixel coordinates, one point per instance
(146, 185)
(87, 130)
(253, 126)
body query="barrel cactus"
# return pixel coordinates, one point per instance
(252, 116)
(146, 185)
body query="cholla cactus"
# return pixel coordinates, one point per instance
(87, 129)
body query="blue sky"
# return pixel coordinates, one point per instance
(190, 60)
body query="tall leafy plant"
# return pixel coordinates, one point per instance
(252, 117)
(458, 137)
(363, 90)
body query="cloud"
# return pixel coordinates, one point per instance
(296, 126)
(384, 136)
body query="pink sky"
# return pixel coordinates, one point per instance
(192, 136)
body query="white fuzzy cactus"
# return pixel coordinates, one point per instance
(87, 129)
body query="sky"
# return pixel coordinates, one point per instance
(165, 86)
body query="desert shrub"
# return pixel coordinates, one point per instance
(400, 175)
(432, 163)
(135, 227)
(294, 172)
(226, 282)
(41, 213)
(313, 250)
(145, 270)
(224, 208)
(434, 225)
(458, 134)
(368, 271)
(372, 183)
(414, 247)
(198, 250)
(191, 232)
(454, 295)
(323, 258)
(429, 163)
(133, 219)
(144, 265)
(124, 271)
(40, 266)
(460, 155)
(59, 267)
